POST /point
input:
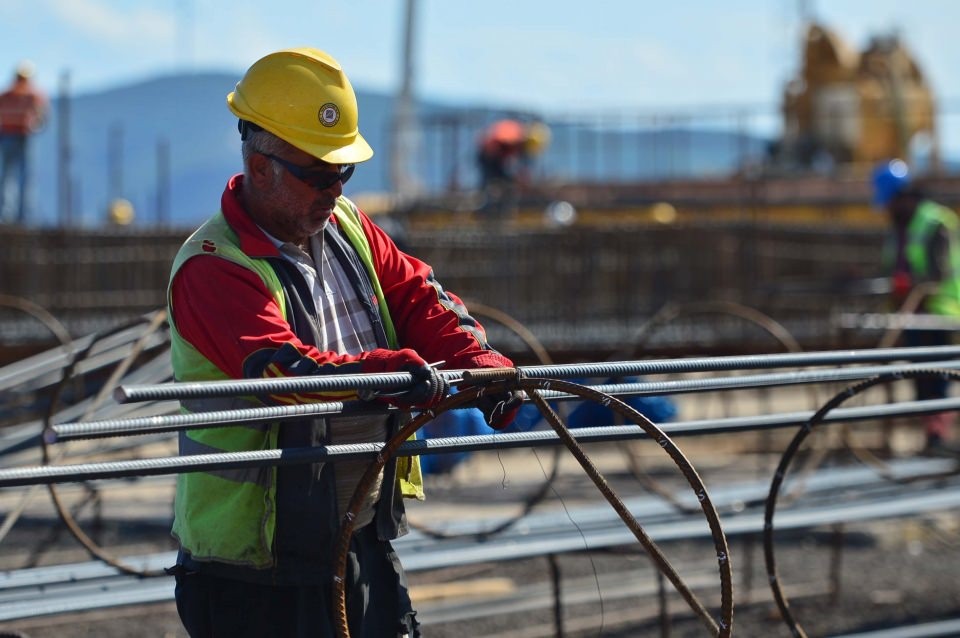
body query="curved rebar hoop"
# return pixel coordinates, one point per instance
(788, 456)
(670, 312)
(39, 313)
(515, 326)
(530, 502)
(488, 382)
(59, 331)
(153, 321)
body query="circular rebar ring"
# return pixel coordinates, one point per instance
(788, 457)
(153, 323)
(662, 319)
(488, 384)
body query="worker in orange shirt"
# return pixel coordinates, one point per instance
(23, 112)
(505, 151)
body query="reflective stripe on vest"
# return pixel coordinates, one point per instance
(254, 475)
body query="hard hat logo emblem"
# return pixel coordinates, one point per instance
(329, 114)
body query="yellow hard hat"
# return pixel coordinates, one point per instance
(120, 212)
(538, 137)
(303, 97)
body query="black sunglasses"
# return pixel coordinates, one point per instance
(319, 181)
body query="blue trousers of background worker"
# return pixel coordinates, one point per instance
(14, 178)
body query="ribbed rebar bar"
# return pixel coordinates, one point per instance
(255, 387)
(13, 477)
(396, 380)
(219, 418)
(177, 422)
(740, 362)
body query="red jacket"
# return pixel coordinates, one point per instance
(226, 312)
(23, 109)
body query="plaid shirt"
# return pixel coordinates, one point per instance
(344, 324)
(344, 328)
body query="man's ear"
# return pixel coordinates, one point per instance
(260, 170)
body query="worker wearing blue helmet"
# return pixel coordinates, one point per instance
(922, 258)
(889, 179)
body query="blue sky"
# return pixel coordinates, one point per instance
(557, 55)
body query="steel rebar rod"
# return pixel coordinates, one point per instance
(177, 422)
(741, 362)
(397, 380)
(13, 477)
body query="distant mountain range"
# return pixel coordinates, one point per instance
(188, 113)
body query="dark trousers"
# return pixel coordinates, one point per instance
(928, 388)
(378, 605)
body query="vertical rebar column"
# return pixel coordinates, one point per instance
(557, 595)
(836, 560)
(114, 162)
(664, 605)
(64, 196)
(163, 182)
(404, 147)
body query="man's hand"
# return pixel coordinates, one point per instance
(383, 360)
(499, 410)
(429, 387)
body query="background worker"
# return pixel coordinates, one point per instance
(505, 151)
(23, 112)
(923, 249)
(290, 278)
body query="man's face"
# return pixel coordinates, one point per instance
(294, 208)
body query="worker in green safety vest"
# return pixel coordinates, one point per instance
(290, 279)
(923, 250)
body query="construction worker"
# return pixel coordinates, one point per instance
(923, 250)
(290, 278)
(23, 112)
(505, 151)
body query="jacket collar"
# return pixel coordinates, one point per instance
(252, 240)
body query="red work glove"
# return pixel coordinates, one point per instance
(901, 283)
(429, 387)
(499, 409)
